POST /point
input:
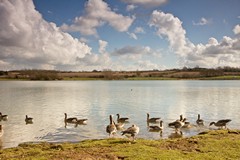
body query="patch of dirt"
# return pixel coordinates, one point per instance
(188, 145)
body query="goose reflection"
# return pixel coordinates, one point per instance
(176, 134)
(157, 128)
(1, 131)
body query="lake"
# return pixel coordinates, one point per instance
(47, 101)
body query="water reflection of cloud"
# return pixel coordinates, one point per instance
(47, 102)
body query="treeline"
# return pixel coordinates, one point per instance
(108, 74)
(32, 74)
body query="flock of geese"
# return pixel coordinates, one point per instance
(132, 131)
(4, 117)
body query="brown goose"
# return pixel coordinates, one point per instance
(152, 120)
(3, 117)
(28, 120)
(131, 131)
(178, 124)
(119, 125)
(172, 124)
(69, 120)
(221, 123)
(1, 131)
(199, 121)
(81, 121)
(122, 119)
(111, 128)
(157, 128)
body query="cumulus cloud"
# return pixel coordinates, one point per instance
(213, 54)
(139, 30)
(97, 13)
(202, 21)
(132, 50)
(147, 3)
(135, 53)
(236, 29)
(102, 46)
(130, 7)
(147, 65)
(28, 41)
(170, 27)
(132, 35)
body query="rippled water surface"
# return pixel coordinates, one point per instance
(47, 102)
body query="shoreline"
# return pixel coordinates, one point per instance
(129, 79)
(206, 145)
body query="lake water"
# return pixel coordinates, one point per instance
(47, 101)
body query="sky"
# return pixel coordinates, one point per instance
(120, 35)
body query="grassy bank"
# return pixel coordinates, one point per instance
(221, 144)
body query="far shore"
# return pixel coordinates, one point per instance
(226, 73)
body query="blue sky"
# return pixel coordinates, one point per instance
(82, 35)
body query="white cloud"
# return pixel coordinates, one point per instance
(171, 27)
(83, 40)
(139, 30)
(136, 53)
(97, 14)
(132, 50)
(130, 7)
(147, 3)
(132, 35)
(202, 21)
(236, 29)
(102, 46)
(147, 65)
(213, 54)
(28, 41)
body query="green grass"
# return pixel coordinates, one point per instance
(230, 77)
(80, 79)
(221, 144)
(151, 78)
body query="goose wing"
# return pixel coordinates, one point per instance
(224, 121)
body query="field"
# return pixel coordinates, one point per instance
(215, 144)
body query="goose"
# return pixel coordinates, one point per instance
(119, 125)
(157, 128)
(81, 121)
(199, 121)
(69, 120)
(152, 120)
(178, 124)
(28, 119)
(1, 131)
(123, 119)
(172, 124)
(221, 123)
(111, 128)
(131, 131)
(3, 117)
